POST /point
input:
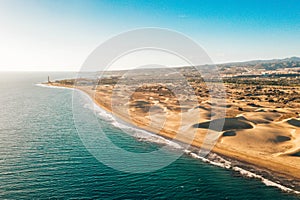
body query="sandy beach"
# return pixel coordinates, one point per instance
(260, 133)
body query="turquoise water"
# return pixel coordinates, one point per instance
(42, 156)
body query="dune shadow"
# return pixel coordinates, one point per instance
(254, 105)
(229, 133)
(294, 122)
(281, 138)
(236, 123)
(297, 154)
(204, 108)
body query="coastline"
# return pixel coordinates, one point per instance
(246, 165)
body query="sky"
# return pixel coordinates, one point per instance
(58, 35)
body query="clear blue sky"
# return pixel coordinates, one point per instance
(59, 35)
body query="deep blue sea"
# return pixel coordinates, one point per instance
(43, 157)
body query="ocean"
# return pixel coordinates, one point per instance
(43, 157)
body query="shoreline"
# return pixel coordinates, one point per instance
(240, 163)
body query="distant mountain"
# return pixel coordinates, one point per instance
(273, 64)
(295, 59)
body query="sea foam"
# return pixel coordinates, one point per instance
(139, 134)
(223, 163)
(52, 86)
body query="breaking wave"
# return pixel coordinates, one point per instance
(217, 160)
(52, 86)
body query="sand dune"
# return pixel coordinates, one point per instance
(262, 117)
